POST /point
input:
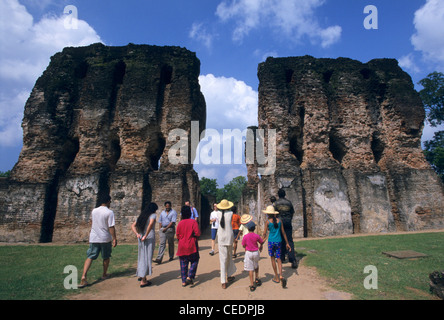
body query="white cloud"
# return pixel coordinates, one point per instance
(295, 19)
(429, 36)
(25, 50)
(231, 103)
(210, 173)
(199, 33)
(11, 114)
(263, 55)
(330, 36)
(407, 62)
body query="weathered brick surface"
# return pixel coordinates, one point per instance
(97, 121)
(348, 147)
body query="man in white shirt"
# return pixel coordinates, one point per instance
(214, 226)
(101, 238)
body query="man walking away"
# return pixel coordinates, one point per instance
(101, 238)
(286, 211)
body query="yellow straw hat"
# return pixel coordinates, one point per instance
(246, 218)
(270, 210)
(225, 204)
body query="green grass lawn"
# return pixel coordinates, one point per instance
(343, 260)
(36, 271)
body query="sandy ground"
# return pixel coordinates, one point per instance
(303, 283)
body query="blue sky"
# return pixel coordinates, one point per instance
(229, 37)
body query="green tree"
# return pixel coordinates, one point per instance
(5, 174)
(233, 190)
(432, 95)
(433, 98)
(434, 152)
(208, 187)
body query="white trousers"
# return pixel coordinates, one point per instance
(227, 267)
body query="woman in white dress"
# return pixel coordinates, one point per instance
(225, 239)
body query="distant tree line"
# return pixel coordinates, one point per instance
(5, 174)
(231, 191)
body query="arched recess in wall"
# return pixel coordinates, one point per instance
(67, 155)
(155, 150)
(336, 146)
(296, 137)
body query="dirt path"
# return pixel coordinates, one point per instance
(305, 284)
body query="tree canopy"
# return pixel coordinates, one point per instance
(433, 98)
(432, 95)
(231, 191)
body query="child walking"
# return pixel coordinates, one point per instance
(251, 262)
(276, 230)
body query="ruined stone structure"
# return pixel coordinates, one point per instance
(348, 148)
(97, 121)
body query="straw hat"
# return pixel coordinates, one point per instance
(225, 204)
(270, 210)
(246, 218)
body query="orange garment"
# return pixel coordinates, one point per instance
(235, 221)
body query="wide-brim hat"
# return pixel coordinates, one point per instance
(246, 218)
(270, 210)
(225, 204)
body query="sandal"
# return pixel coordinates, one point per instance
(83, 284)
(258, 282)
(252, 288)
(148, 283)
(284, 283)
(230, 279)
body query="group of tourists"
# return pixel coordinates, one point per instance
(226, 224)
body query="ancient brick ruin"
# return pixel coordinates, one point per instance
(348, 148)
(97, 121)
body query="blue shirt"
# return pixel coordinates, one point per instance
(275, 233)
(194, 214)
(165, 219)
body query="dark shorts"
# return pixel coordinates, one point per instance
(96, 248)
(235, 233)
(213, 234)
